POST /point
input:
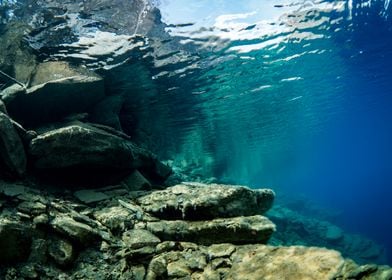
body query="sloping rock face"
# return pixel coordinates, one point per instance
(196, 201)
(57, 90)
(12, 153)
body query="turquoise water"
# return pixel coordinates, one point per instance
(292, 95)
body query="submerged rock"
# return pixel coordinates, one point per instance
(238, 230)
(195, 201)
(74, 230)
(12, 152)
(296, 262)
(81, 145)
(56, 91)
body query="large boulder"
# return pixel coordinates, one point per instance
(56, 91)
(239, 230)
(81, 145)
(195, 201)
(12, 153)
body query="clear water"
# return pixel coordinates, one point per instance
(294, 95)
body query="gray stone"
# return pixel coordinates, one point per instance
(61, 251)
(15, 241)
(195, 201)
(81, 145)
(238, 230)
(136, 181)
(32, 207)
(220, 250)
(12, 190)
(12, 152)
(90, 196)
(56, 90)
(138, 238)
(115, 218)
(82, 233)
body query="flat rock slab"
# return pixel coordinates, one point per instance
(239, 230)
(77, 231)
(81, 145)
(90, 196)
(195, 201)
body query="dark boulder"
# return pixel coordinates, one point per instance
(15, 241)
(12, 153)
(56, 91)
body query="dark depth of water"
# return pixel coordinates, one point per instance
(292, 95)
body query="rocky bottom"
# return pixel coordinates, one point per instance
(188, 231)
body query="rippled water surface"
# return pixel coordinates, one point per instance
(294, 95)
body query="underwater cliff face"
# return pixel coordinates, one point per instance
(294, 95)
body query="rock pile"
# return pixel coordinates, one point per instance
(113, 233)
(60, 139)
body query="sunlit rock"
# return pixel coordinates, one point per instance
(239, 230)
(194, 201)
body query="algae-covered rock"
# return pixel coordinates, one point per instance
(12, 153)
(74, 230)
(290, 263)
(195, 201)
(138, 238)
(238, 230)
(61, 251)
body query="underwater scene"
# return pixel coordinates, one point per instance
(173, 139)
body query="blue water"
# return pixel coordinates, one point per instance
(292, 95)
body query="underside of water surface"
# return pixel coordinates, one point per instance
(291, 95)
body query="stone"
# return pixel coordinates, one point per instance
(15, 241)
(12, 153)
(77, 231)
(61, 251)
(90, 196)
(12, 190)
(296, 262)
(32, 207)
(220, 250)
(12, 91)
(115, 218)
(238, 230)
(107, 111)
(136, 181)
(84, 146)
(138, 238)
(195, 201)
(3, 109)
(57, 90)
